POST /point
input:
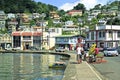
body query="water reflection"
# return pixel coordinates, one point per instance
(29, 67)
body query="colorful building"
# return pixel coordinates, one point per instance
(104, 35)
(69, 42)
(75, 12)
(26, 38)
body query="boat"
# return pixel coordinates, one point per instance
(64, 58)
(61, 65)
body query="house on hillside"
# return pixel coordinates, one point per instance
(70, 27)
(75, 12)
(2, 20)
(54, 15)
(95, 12)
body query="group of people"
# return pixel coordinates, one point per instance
(81, 53)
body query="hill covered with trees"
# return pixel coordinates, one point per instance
(22, 6)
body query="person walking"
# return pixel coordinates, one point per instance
(79, 54)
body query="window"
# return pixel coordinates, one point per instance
(100, 34)
(110, 34)
(16, 41)
(53, 30)
(103, 34)
(65, 39)
(36, 41)
(92, 35)
(58, 39)
(26, 37)
(87, 36)
(118, 34)
(110, 44)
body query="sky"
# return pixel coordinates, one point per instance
(69, 4)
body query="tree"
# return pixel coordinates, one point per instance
(3, 31)
(80, 7)
(93, 23)
(61, 12)
(97, 7)
(50, 23)
(32, 22)
(52, 8)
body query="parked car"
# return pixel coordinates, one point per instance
(110, 52)
(118, 49)
(60, 49)
(32, 48)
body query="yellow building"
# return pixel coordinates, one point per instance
(5, 41)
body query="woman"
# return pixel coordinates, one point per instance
(79, 54)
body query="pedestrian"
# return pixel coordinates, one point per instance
(96, 51)
(79, 54)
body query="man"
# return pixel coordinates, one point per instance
(79, 54)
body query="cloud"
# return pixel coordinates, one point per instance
(88, 4)
(68, 6)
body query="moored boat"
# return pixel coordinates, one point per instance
(58, 65)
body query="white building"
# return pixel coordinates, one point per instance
(49, 37)
(2, 20)
(104, 35)
(70, 27)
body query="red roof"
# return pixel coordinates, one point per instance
(26, 34)
(37, 33)
(72, 11)
(19, 33)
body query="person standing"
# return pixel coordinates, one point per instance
(96, 51)
(79, 54)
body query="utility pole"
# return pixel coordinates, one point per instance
(42, 15)
(80, 24)
(112, 31)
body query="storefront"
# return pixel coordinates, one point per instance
(25, 39)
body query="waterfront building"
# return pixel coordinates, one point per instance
(5, 41)
(104, 35)
(69, 42)
(26, 38)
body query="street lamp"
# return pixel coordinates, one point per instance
(49, 38)
(42, 15)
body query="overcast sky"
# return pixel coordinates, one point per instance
(69, 4)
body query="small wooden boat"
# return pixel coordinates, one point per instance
(64, 58)
(58, 65)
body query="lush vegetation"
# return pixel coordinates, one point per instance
(22, 6)
(30, 6)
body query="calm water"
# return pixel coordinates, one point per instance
(14, 66)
